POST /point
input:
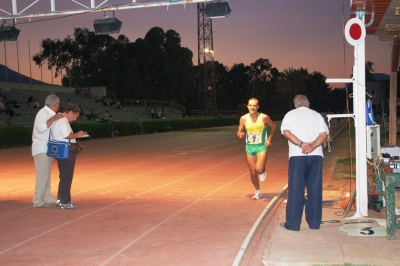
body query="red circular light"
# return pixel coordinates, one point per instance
(355, 31)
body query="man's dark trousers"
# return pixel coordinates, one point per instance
(304, 172)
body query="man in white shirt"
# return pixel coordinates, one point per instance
(106, 116)
(40, 136)
(62, 131)
(306, 131)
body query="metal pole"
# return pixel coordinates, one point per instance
(14, 7)
(51, 68)
(205, 83)
(30, 64)
(60, 65)
(359, 116)
(204, 57)
(213, 82)
(19, 74)
(69, 72)
(361, 139)
(5, 63)
(41, 67)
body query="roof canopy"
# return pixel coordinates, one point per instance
(385, 17)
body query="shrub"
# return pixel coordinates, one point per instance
(21, 136)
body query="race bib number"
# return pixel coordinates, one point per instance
(254, 138)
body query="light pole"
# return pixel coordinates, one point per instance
(210, 70)
(30, 64)
(214, 89)
(5, 63)
(19, 72)
(205, 83)
(69, 70)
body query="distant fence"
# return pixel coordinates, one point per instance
(214, 113)
(150, 103)
(50, 89)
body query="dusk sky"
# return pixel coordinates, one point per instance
(290, 33)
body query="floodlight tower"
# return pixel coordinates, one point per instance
(206, 57)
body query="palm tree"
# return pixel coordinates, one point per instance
(369, 76)
(290, 82)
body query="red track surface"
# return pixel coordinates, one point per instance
(177, 198)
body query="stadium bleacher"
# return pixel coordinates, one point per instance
(27, 114)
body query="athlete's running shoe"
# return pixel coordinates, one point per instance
(263, 176)
(257, 195)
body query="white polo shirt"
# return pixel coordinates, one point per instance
(40, 134)
(306, 124)
(61, 129)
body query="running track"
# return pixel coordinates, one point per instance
(176, 198)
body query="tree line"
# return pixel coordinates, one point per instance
(157, 67)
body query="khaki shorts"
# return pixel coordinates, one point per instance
(254, 149)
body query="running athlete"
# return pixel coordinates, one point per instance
(257, 142)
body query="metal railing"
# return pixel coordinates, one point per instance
(214, 113)
(152, 103)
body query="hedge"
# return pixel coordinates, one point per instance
(21, 136)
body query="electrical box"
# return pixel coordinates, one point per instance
(373, 141)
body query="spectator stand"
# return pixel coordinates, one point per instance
(127, 113)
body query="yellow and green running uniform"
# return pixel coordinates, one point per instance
(256, 135)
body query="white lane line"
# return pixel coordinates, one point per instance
(114, 169)
(106, 207)
(132, 165)
(250, 235)
(119, 252)
(158, 158)
(104, 172)
(156, 170)
(118, 202)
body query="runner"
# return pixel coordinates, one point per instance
(257, 142)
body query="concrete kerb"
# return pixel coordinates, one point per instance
(270, 206)
(256, 225)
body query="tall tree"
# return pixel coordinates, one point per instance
(238, 82)
(317, 91)
(179, 81)
(290, 82)
(259, 73)
(369, 76)
(79, 56)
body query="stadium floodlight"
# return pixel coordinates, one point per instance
(107, 26)
(8, 33)
(218, 10)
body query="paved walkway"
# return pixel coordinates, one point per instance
(274, 245)
(176, 198)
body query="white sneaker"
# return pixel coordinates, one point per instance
(257, 195)
(263, 176)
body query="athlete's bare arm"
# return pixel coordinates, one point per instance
(240, 132)
(267, 120)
